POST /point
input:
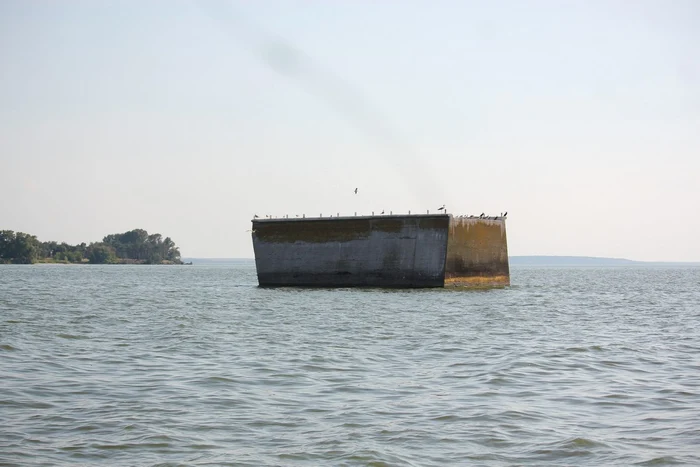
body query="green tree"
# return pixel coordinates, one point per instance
(137, 244)
(114, 240)
(155, 249)
(131, 244)
(19, 248)
(48, 249)
(74, 256)
(100, 253)
(7, 241)
(172, 252)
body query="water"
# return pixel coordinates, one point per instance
(195, 365)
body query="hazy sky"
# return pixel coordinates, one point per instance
(581, 119)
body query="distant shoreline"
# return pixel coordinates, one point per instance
(590, 261)
(118, 262)
(133, 247)
(542, 260)
(514, 261)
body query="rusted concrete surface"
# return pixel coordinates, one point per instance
(477, 253)
(380, 251)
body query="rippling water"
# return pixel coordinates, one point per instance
(196, 365)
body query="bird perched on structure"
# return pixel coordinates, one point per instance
(505, 214)
(255, 216)
(482, 215)
(382, 211)
(441, 208)
(355, 190)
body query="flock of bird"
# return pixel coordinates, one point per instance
(484, 216)
(440, 209)
(481, 216)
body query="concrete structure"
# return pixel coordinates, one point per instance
(477, 253)
(381, 251)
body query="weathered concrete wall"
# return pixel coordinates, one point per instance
(477, 253)
(387, 251)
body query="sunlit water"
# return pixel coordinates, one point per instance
(196, 365)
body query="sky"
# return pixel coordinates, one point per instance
(581, 119)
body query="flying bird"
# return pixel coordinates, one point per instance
(505, 214)
(355, 190)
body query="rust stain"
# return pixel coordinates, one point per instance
(477, 253)
(478, 281)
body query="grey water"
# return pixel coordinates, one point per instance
(196, 365)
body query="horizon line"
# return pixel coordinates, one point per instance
(606, 258)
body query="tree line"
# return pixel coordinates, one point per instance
(135, 246)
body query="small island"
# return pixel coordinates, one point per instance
(132, 247)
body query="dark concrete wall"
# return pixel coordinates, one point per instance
(386, 251)
(477, 253)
